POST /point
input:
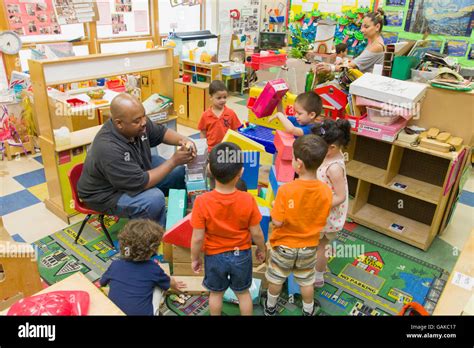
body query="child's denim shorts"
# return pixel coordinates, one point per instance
(229, 269)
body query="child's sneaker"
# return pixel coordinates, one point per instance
(268, 311)
(316, 308)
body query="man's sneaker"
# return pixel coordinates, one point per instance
(268, 311)
(316, 308)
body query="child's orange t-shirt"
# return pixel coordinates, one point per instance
(303, 206)
(217, 127)
(226, 219)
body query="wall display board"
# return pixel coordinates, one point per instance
(245, 18)
(123, 18)
(446, 21)
(32, 17)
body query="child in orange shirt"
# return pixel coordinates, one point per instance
(300, 211)
(226, 221)
(216, 121)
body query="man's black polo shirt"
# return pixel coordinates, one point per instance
(115, 165)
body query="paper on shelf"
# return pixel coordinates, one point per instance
(462, 280)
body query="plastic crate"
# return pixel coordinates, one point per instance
(262, 62)
(380, 116)
(261, 135)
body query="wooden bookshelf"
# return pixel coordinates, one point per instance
(209, 72)
(420, 207)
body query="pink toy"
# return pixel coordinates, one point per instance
(382, 132)
(284, 170)
(284, 145)
(268, 100)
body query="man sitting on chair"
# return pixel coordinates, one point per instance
(120, 176)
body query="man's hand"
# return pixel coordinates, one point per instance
(189, 145)
(196, 265)
(177, 285)
(182, 156)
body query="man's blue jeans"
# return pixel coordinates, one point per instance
(150, 204)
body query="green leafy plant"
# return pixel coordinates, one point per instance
(301, 47)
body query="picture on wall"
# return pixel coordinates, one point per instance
(394, 18)
(456, 48)
(123, 5)
(118, 23)
(440, 17)
(73, 11)
(27, 17)
(389, 37)
(394, 2)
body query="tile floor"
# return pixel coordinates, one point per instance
(23, 190)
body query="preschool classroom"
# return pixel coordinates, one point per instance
(377, 93)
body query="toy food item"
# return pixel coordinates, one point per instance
(96, 94)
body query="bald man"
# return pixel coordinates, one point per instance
(120, 176)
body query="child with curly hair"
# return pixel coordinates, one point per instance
(136, 282)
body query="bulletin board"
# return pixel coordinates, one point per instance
(248, 23)
(449, 21)
(31, 17)
(123, 18)
(329, 6)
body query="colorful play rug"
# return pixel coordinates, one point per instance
(59, 256)
(365, 278)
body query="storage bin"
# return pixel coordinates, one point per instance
(423, 76)
(381, 116)
(402, 67)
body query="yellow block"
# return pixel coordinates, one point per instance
(253, 192)
(261, 202)
(270, 197)
(288, 99)
(247, 144)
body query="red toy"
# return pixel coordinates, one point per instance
(63, 303)
(268, 100)
(284, 145)
(334, 101)
(180, 234)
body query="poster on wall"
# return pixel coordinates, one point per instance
(118, 23)
(440, 17)
(75, 11)
(456, 48)
(389, 38)
(246, 24)
(394, 18)
(117, 20)
(123, 5)
(394, 2)
(32, 18)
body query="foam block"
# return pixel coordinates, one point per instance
(180, 234)
(199, 185)
(284, 145)
(293, 288)
(265, 222)
(274, 183)
(271, 95)
(284, 170)
(177, 204)
(270, 197)
(261, 202)
(247, 144)
(263, 192)
(251, 168)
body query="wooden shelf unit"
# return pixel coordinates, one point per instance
(374, 166)
(58, 160)
(190, 101)
(210, 72)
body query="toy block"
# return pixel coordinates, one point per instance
(253, 192)
(184, 269)
(284, 145)
(177, 204)
(259, 273)
(293, 287)
(199, 185)
(284, 170)
(247, 144)
(263, 192)
(181, 254)
(271, 95)
(251, 168)
(270, 197)
(265, 222)
(260, 134)
(274, 183)
(193, 285)
(180, 234)
(261, 202)
(255, 262)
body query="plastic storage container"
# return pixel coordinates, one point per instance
(381, 116)
(423, 76)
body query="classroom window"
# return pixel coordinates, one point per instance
(186, 18)
(128, 46)
(118, 20)
(80, 50)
